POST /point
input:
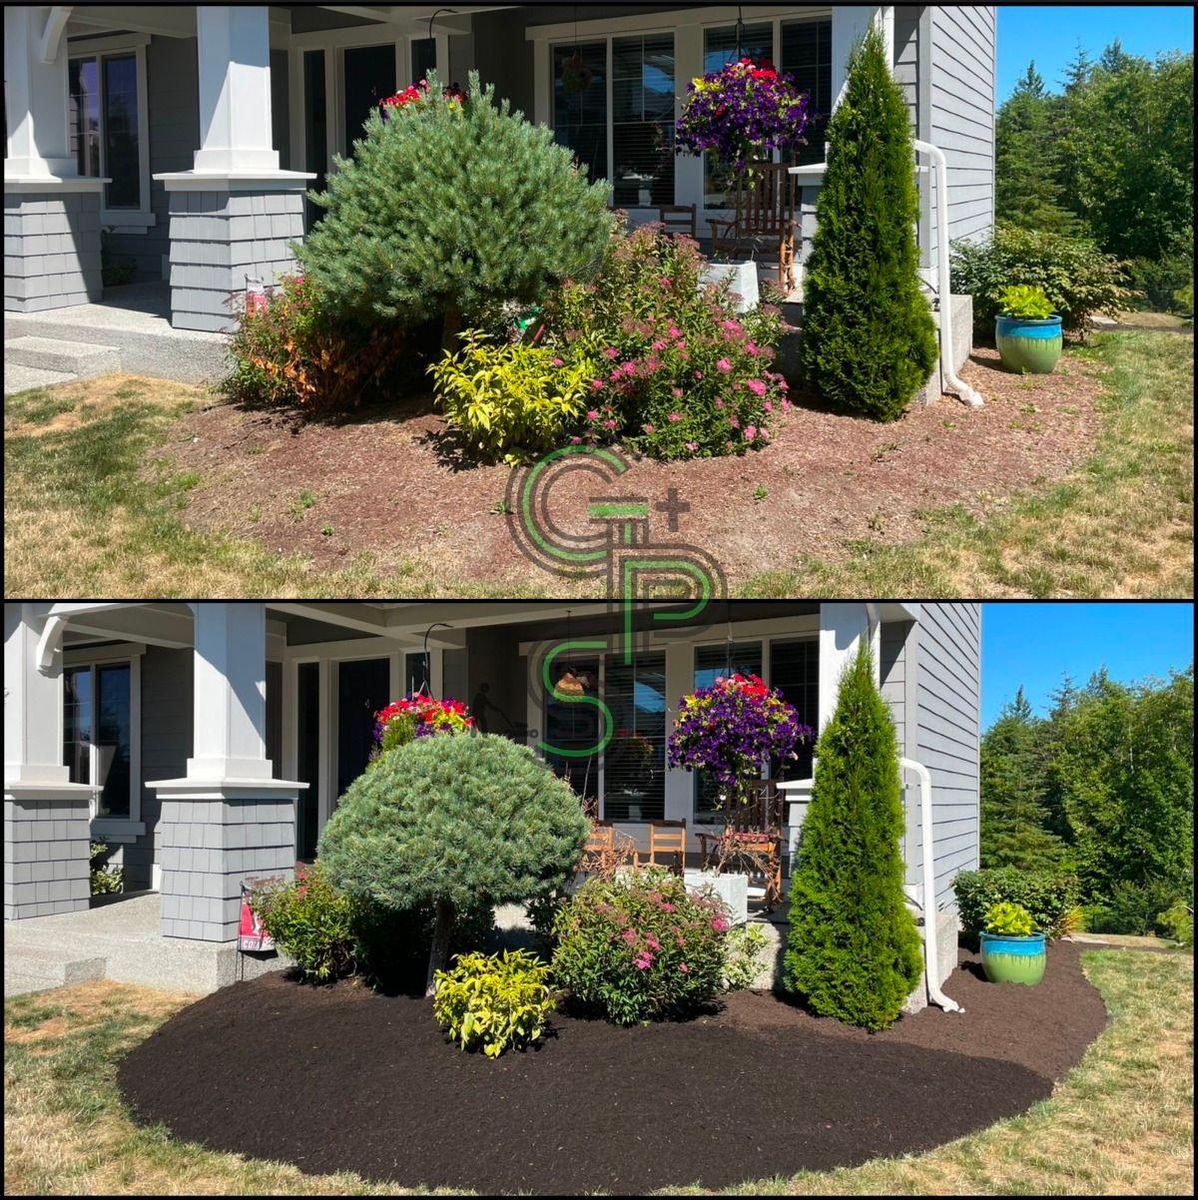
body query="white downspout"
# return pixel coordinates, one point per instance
(948, 371)
(931, 950)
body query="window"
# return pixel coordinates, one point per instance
(316, 130)
(719, 49)
(100, 716)
(424, 58)
(712, 663)
(573, 726)
(308, 758)
(580, 104)
(634, 766)
(807, 56)
(416, 673)
(794, 671)
(643, 120)
(108, 126)
(369, 80)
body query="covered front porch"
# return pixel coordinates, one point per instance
(178, 143)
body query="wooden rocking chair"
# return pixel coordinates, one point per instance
(766, 203)
(751, 840)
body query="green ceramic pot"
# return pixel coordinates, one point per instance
(1029, 346)
(1010, 959)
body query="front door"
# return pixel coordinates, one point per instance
(369, 75)
(363, 688)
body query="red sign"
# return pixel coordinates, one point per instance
(251, 935)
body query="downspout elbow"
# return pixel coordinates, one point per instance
(948, 371)
(931, 949)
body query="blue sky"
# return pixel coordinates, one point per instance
(1050, 34)
(1035, 644)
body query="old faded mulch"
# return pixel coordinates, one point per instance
(388, 482)
(343, 1078)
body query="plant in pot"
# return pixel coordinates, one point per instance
(1013, 950)
(1027, 331)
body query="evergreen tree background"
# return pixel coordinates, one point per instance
(1111, 157)
(1103, 786)
(854, 949)
(869, 342)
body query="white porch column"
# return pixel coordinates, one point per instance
(235, 214)
(227, 820)
(46, 817)
(51, 213)
(841, 628)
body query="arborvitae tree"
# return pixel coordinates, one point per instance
(869, 342)
(1028, 191)
(854, 950)
(456, 822)
(1014, 784)
(450, 207)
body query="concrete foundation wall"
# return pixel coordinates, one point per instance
(207, 847)
(51, 250)
(46, 868)
(218, 239)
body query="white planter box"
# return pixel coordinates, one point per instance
(743, 276)
(733, 890)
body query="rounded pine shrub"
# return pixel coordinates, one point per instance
(854, 951)
(450, 207)
(868, 340)
(640, 947)
(460, 823)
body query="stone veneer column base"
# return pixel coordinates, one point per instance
(46, 852)
(222, 234)
(51, 245)
(211, 837)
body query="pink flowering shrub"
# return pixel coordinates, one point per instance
(679, 374)
(640, 947)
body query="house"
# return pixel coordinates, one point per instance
(190, 134)
(207, 743)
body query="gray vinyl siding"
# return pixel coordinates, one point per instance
(172, 81)
(947, 695)
(897, 677)
(961, 117)
(166, 733)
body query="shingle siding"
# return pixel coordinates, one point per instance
(960, 119)
(947, 697)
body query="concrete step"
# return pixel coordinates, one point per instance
(29, 968)
(22, 379)
(54, 354)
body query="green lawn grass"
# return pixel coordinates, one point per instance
(85, 516)
(1120, 1123)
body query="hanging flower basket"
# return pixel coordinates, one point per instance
(732, 729)
(743, 112)
(576, 75)
(418, 716)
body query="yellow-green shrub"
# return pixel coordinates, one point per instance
(493, 1002)
(510, 401)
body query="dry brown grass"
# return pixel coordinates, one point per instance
(1121, 1123)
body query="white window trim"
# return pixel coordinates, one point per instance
(124, 220)
(115, 829)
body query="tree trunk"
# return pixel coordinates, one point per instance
(438, 958)
(450, 330)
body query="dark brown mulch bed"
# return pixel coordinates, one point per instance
(385, 481)
(344, 1079)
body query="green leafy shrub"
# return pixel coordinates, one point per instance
(494, 1002)
(1009, 920)
(680, 373)
(458, 823)
(854, 951)
(640, 947)
(1164, 283)
(1050, 896)
(311, 921)
(869, 342)
(289, 348)
(1130, 907)
(449, 208)
(1177, 922)
(511, 400)
(745, 948)
(1078, 279)
(1024, 303)
(104, 880)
